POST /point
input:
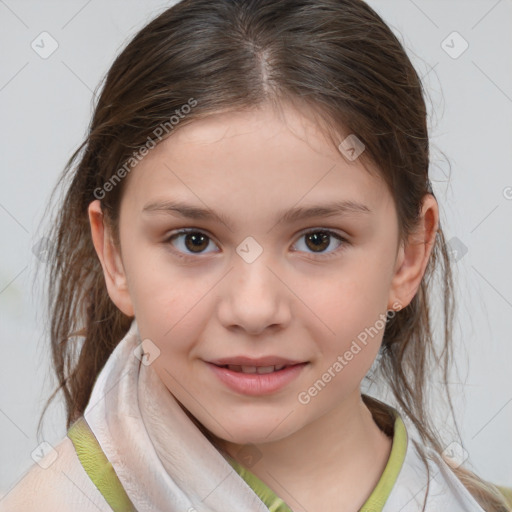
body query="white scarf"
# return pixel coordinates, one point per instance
(165, 463)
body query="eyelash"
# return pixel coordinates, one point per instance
(329, 232)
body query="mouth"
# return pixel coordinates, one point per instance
(257, 380)
(256, 369)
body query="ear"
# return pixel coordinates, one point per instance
(413, 256)
(110, 259)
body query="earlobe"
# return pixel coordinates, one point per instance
(413, 257)
(110, 259)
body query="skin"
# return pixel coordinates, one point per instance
(293, 301)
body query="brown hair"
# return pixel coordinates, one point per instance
(337, 56)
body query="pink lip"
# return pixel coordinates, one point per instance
(257, 383)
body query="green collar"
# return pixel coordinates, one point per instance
(98, 467)
(376, 500)
(102, 474)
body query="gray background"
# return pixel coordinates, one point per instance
(46, 107)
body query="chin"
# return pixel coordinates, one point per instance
(255, 433)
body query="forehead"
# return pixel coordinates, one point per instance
(246, 161)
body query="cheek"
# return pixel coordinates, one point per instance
(353, 300)
(352, 308)
(155, 287)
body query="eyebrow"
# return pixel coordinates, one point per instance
(182, 209)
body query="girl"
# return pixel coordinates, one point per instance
(248, 232)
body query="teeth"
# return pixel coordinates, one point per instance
(255, 369)
(265, 369)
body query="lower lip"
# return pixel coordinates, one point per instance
(257, 383)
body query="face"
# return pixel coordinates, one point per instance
(307, 289)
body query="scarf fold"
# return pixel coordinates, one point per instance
(161, 458)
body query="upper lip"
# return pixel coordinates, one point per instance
(258, 361)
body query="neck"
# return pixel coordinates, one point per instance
(346, 451)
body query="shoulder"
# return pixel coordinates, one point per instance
(56, 482)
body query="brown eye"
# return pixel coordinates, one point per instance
(319, 240)
(196, 241)
(190, 241)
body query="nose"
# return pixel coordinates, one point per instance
(254, 298)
